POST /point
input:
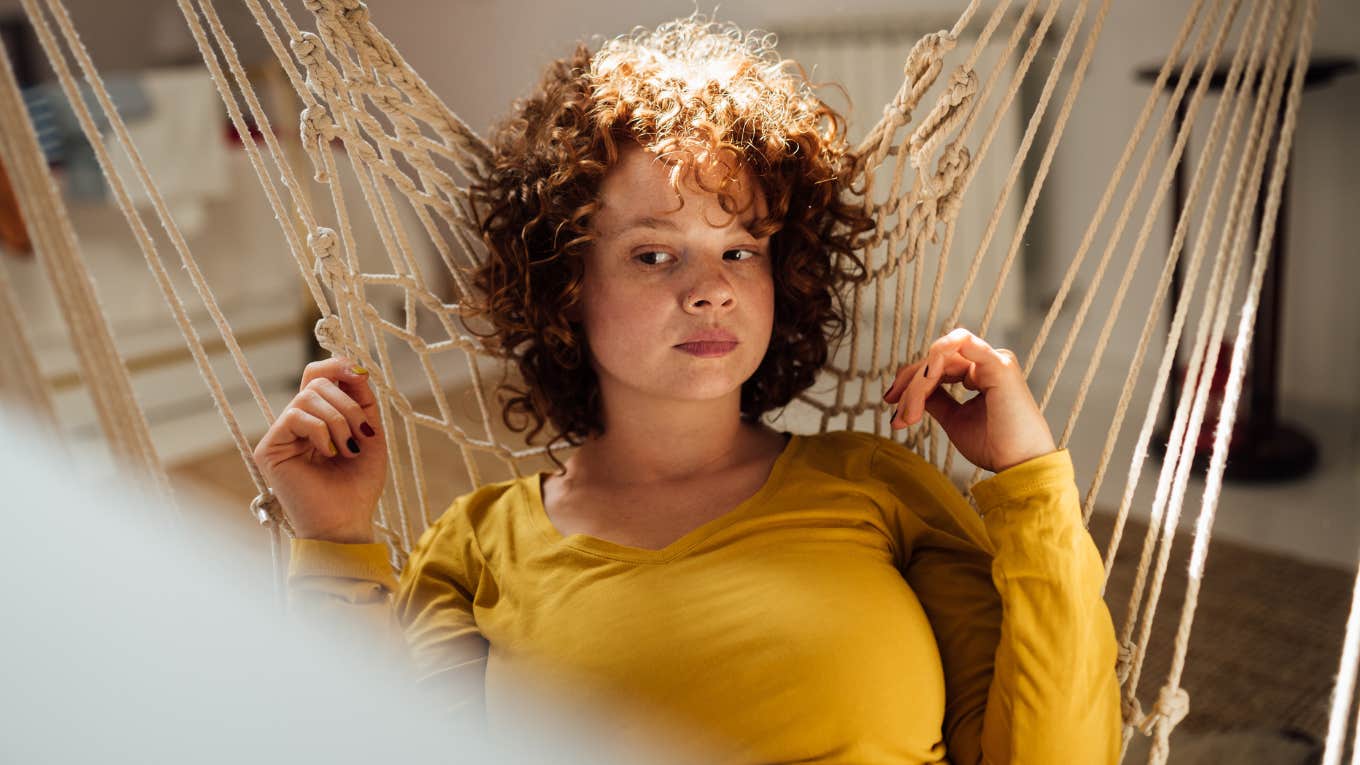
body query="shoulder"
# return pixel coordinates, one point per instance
(476, 519)
(871, 464)
(918, 503)
(860, 455)
(839, 451)
(885, 468)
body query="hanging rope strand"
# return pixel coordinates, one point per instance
(1237, 371)
(106, 378)
(1345, 681)
(21, 379)
(1169, 497)
(1233, 94)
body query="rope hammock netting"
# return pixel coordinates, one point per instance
(407, 148)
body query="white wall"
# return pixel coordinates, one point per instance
(129, 34)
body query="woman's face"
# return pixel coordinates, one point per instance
(678, 296)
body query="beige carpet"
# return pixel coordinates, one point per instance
(1266, 641)
(1263, 653)
(1235, 747)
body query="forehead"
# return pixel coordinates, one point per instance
(642, 184)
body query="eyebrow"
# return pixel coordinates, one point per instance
(651, 221)
(648, 221)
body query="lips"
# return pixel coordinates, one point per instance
(709, 343)
(710, 336)
(707, 348)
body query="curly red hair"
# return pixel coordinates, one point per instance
(690, 88)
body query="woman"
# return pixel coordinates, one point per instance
(666, 240)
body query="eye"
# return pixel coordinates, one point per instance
(740, 254)
(655, 258)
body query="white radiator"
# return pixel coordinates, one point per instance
(865, 58)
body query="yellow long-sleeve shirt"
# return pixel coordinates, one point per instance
(854, 610)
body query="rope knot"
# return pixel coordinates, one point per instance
(341, 8)
(306, 46)
(356, 14)
(953, 163)
(317, 130)
(323, 242)
(322, 76)
(328, 333)
(963, 85)
(1131, 711)
(922, 66)
(1173, 704)
(949, 207)
(316, 124)
(950, 110)
(950, 176)
(266, 508)
(927, 55)
(1125, 663)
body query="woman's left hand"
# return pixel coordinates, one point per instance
(1000, 427)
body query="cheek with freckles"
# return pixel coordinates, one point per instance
(622, 325)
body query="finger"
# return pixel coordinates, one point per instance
(336, 369)
(942, 363)
(942, 405)
(306, 428)
(347, 407)
(991, 366)
(959, 370)
(351, 377)
(998, 364)
(951, 342)
(357, 385)
(920, 388)
(906, 388)
(900, 380)
(940, 347)
(313, 403)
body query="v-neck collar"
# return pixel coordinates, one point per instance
(533, 488)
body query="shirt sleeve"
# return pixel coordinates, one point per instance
(423, 618)
(1014, 598)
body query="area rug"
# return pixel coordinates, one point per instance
(1263, 652)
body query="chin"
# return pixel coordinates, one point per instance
(705, 387)
(681, 378)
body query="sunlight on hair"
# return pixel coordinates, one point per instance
(695, 79)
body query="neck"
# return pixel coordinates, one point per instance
(646, 441)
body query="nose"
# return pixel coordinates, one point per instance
(712, 291)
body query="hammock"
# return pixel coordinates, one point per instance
(407, 148)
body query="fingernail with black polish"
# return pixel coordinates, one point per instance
(366, 429)
(353, 446)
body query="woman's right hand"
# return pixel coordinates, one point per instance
(328, 490)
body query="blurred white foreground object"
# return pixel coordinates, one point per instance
(128, 639)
